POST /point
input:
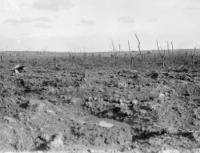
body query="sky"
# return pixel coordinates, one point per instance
(92, 25)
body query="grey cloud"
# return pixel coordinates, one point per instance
(18, 21)
(153, 20)
(53, 5)
(89, 22)
(126, 19)
(43, 26)
(42, 19)
(27, 20)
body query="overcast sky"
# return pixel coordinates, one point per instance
(91, 25)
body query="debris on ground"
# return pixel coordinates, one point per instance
(98, 108)
(19, 69)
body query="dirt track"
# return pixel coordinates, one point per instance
(46, 108)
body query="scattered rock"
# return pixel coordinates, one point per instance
(51, 112)
(90, 151)
(197, 112)
(9, 119)
(56, 142)
(76, 101)
(153, 74)
(122, 84)
(105, 124)
(181, 68)
(161, 96)
(133, 74)
(36, 105)
(134, 102)
(44, 137)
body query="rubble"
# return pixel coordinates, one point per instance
(142, 110)
(19, 69)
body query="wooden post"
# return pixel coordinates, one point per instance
(1, 58)
(113, 46)
(119, 47)
(168, 50)
(114, 49)
(158, 48)
(162, 55)
(129, 46)
(131, 58)
(193, 57)
(172, 45)
(163, 59)
(139, 44)
(139, 47)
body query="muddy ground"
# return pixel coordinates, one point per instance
(53, 106)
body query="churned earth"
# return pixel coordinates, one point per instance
(89, 109)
